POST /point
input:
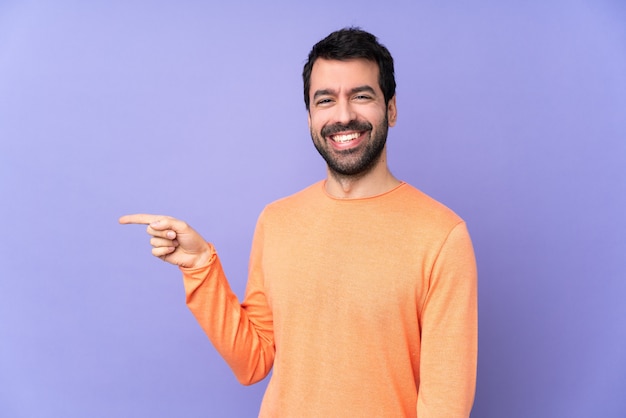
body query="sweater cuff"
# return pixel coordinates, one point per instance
(200, 272)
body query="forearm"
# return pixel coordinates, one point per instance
(245, 344)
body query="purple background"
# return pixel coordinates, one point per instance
(513, 115)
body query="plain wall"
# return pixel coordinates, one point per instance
(511, 113)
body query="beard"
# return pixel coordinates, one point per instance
(354, 162)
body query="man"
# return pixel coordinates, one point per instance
(362, 290)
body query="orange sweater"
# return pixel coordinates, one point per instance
(364, 307)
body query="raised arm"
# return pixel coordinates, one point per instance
(243, 335)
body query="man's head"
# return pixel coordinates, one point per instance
(348, 44)
(350, 97)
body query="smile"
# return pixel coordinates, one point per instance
(343, 138)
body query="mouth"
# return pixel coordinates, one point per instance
(344, 138)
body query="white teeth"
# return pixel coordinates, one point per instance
(345, 138)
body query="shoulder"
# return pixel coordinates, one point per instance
(419, 217)
(419, 205)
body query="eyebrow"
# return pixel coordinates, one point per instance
(359, 89)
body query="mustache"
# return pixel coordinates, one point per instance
(353, 125)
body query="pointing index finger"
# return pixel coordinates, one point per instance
(140, 218)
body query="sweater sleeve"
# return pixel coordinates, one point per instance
(449, 331)
(241, 333)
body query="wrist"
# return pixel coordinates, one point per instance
(205, 257)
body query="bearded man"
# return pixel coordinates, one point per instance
(362, 290)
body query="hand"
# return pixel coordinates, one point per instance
(173, 240)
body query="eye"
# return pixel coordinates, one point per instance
(362, 97)
(324, 101)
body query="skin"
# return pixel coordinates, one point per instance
(341, 92)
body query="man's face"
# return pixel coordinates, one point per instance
(348, 117)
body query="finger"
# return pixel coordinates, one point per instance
(140, 218)
(161, 242)
(162, 251)
(164, 223)
(168, 233)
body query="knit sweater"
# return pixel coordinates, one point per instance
(363, 307)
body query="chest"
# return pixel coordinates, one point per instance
(369, 269)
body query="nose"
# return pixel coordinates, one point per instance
(344, 112)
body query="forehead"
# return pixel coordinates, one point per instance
(337, 75)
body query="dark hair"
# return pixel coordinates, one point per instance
(352, 43)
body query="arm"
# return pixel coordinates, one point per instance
(449, 331)
(242, 334)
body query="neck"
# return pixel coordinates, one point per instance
(376, 181)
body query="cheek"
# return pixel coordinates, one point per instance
(315, 124)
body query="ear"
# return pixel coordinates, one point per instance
(392, 111)
(308, 116)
